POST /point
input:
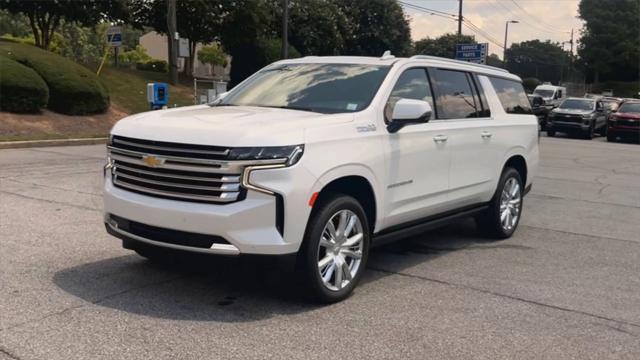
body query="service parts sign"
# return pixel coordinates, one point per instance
(114, 36)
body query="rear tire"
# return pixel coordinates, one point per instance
(611, 137)
(502, 217)
(335, 249)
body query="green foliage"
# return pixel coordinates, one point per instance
(85, 45)
(46, 16)
(153, 65)
(270, 50)
(21, 40)
(530, 83)
(14, 24)
(609, 46)
(73, 89)
(377, 26)
(534, 58)
(134, 56)
(443, 46)
(212, 55)
(22, 89)
(494, 60)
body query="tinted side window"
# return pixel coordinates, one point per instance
(413, 84)
(454, 97)
(512, 96)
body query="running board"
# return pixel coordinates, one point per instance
(420, 226)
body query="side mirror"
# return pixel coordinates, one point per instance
(407, 112)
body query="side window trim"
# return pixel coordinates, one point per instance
(485, 110)
(433, 97)
(435, 93)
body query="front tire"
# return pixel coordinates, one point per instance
(335, 248)
(588, 135)
(501, 220)
(611, 137)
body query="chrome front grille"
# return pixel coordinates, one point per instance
(175, 171)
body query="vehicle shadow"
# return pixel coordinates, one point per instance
(224, 289)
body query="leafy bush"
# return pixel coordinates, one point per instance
(153, 65)
(212, 55)
(22, 89)
(73, 89)
(134, 56)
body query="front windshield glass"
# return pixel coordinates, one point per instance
(324, 88)
(577, 104)
(544, 93)
(633, 107)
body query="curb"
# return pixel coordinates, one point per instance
(43, 143)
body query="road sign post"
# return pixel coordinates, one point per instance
(475, 53)
(114, 40)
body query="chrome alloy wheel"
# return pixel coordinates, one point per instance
(510, 203)
(340, 250)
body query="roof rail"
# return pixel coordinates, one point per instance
(429, 57)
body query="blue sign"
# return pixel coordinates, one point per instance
(114, 36)
(157, 95)
(476, 53)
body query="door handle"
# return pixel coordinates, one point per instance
(486, 135)
(440, 138)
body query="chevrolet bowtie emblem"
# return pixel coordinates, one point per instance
(152, 161)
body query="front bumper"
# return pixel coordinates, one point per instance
(566, 126)
(259, 224)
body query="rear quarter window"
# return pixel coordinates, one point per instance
(512, 96)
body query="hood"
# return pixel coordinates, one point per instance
(627, 115)
(572, 111)
(225, 125)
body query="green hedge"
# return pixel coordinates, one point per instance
(73, 89)
(153, 65)
(22, 90)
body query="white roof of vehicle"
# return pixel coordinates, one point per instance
(391, 60)
(548, 87)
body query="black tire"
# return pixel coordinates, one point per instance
(489, 222)
(588, 135)
(603, 130)
(309, 254)
(551, 133)
(611, 137)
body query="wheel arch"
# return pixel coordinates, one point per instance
(519, 163)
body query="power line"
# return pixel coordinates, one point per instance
(428, 11)
(533, 16)
(524, 21)
(425, 9)
(481, 32)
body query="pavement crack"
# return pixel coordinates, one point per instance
(50, 201)
(95, 302)
(52, 187)
(585, 235)
(10, 354)
(511, 297)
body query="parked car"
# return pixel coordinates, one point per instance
(552, 95)
(578, 115)
(319, 158)
(625, 122)
(539, 110)
(612, 103)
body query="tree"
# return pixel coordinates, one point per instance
(609, 41)
(199, 21)
(534, 58)
(15, 25)
(377, 26)
(212, 55)
(494, 60)
(46, 16)
(443, 46)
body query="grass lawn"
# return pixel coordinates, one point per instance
(128, 89)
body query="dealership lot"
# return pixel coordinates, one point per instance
(567, 285)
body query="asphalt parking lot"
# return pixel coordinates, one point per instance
(567, 285)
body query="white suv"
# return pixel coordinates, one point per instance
(323, 157)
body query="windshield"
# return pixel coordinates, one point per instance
(544, 93)
(324, 88)
(633, 107)
(611, 104)
(577, 104)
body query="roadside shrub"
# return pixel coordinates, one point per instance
(134, 56)
(153, 65)
(22, 90)
(73, 89)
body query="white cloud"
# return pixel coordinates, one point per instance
(539, 19)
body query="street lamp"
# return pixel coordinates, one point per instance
(506, 31)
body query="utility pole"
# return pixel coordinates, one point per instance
(285, 31)
(571, 42)
(171, 38)
(460, 18)
(506, 31)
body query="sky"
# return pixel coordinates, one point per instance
(538, 19)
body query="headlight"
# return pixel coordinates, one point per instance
(587, 116)
(289, 154)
